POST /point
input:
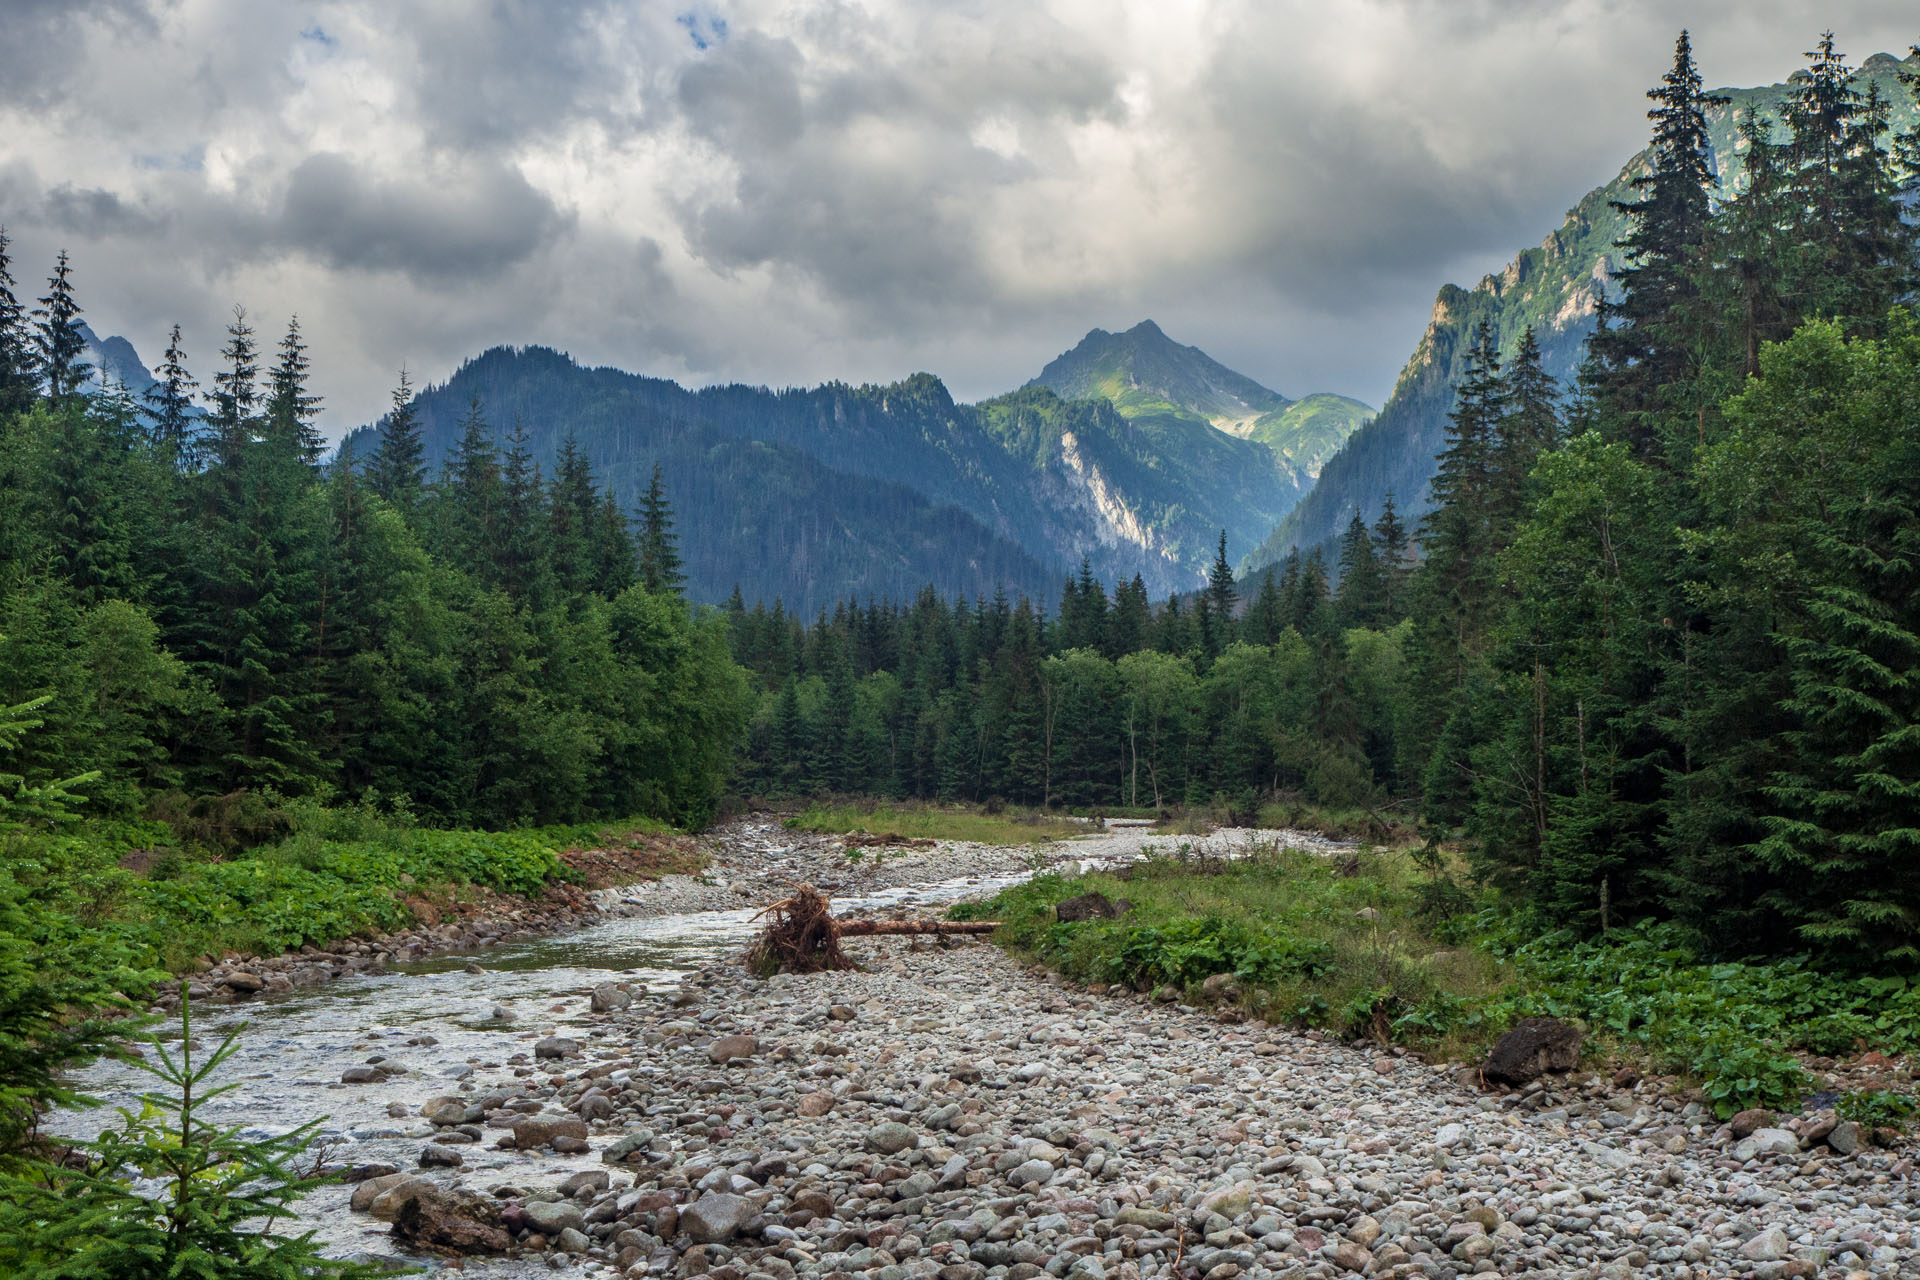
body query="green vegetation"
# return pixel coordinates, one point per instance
(1310, 430)
(1553, 288)
(1378, 945)
(216, 1196)
(930, 822)
(1285, 924)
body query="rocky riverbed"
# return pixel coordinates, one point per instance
(948, 1114)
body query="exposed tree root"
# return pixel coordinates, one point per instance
(803, 937)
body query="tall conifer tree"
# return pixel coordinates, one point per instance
(660, 570)
(58, 346)
(399, 465)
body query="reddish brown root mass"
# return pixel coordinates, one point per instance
(802, 936)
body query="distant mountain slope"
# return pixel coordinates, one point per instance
(1144, 373)
(813, 494)
(1555, 287)
(1310, 430)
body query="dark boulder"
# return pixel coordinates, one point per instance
(1534, 1047)
(1088, 906)
(454, 1221)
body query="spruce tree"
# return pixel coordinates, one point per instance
(236, 392)
(58, 346)
(18, 378)
(399, 465)
(1390, 549)
(660, 570)
(1853, 251)
(1640, 351)
(473, 494)
(1358, 603)
(170, 406)
(291, 408)
(1528, 426)
(1221, 591)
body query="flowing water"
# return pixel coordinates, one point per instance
(456, 1018)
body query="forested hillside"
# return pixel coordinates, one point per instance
(812, 495)
(1554, 289)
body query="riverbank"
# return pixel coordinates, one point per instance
(948, 1113)
(624, 1099)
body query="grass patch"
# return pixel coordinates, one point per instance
(1305, 940)
(326, 875)
(929, 822)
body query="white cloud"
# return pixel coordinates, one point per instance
(787, 192)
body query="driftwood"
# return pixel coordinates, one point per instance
(868, 928)
(803, 937)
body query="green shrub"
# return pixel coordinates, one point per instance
(166, 1195)
(1878, 1108)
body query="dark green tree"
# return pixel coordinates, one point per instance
(398, 469)
(660, 569)
(58, 344)
(170, 406)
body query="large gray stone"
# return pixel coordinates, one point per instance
(715, 1218)
(551, 1217)
(607, 997)
(890, 1138)
(540, 1131)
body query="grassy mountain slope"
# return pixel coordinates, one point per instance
(1555, 287)
(1310, 430)
(1142, 371)
(1146, 374)
(1154, 490)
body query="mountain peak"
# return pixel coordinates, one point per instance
(1143, 371)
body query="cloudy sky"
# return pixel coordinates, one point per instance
(789, 192)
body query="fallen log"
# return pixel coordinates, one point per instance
(803, 937)
(868, 928)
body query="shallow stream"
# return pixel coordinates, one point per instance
(456, 1018)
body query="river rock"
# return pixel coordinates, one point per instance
(890, 1138)
(370, 1189)
(457, 1221)
(551, 1217)
(554, 1047)
(1745, 1122)
(1533, 1048)
(727, 1048)
(544, 1130)
(447, 1111)
(241, 980)
(1844, 1138)
(388, 1202)
(361, 1075)
(1766, 1142)
(607, 997)
(1349, 1256)
(715, 1218)
(1770, 1245)
(815, 1104)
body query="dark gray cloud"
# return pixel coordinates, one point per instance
(786, 192)
(467, 224)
